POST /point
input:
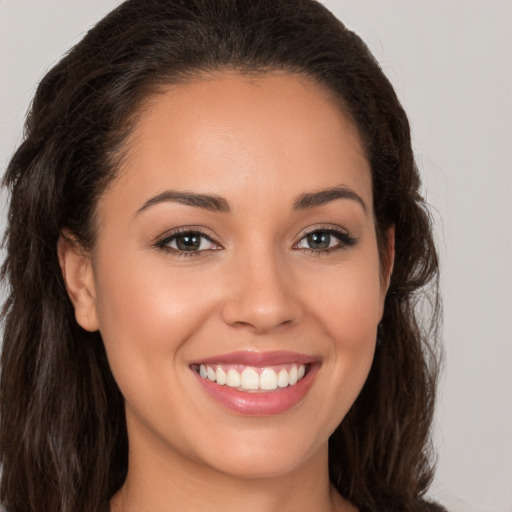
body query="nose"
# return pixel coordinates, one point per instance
(262, 295)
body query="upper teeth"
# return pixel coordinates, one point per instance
(251, 379)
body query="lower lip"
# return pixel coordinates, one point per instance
(260, 403)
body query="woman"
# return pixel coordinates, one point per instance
(215, 247)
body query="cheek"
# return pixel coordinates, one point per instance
(348, 299)
(352, 326)
(145, 311)
(347, 306)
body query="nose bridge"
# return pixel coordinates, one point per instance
(261, 293)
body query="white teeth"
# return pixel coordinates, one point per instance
(233, 378)
(221, 376)
(210, 373)
(250, 379)
(282, 378)
(268, 379)
(293, 375)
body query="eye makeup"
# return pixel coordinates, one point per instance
(192, 241)
(187, 241)
(324, 240)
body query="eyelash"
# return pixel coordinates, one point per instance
(163, 244)
(345, 241)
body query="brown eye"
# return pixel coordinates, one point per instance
(188, 241)
(325, 240)
(319, 240)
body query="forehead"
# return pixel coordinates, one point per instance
(228, 132)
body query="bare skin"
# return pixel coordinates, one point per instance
(283, 258)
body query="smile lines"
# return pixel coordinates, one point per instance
(253, 379)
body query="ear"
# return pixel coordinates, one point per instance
(78, 275)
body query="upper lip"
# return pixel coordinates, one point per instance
(253, 358)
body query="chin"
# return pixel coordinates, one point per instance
(267, 452)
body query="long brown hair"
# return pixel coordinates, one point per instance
(63, 439)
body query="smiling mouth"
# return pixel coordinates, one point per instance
(253, 383)
(253, 379)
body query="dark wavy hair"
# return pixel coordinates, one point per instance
(63, 439)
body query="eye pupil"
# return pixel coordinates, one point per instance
(319, 240)
(188, 242)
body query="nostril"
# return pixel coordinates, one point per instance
(259, 319)
(272, 316)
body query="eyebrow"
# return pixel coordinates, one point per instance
(206, 201)
(219, 204)
(313, 199)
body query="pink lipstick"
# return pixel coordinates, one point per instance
(257, 383)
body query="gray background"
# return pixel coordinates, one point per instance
(450, 61)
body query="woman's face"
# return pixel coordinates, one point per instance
(235, 279)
